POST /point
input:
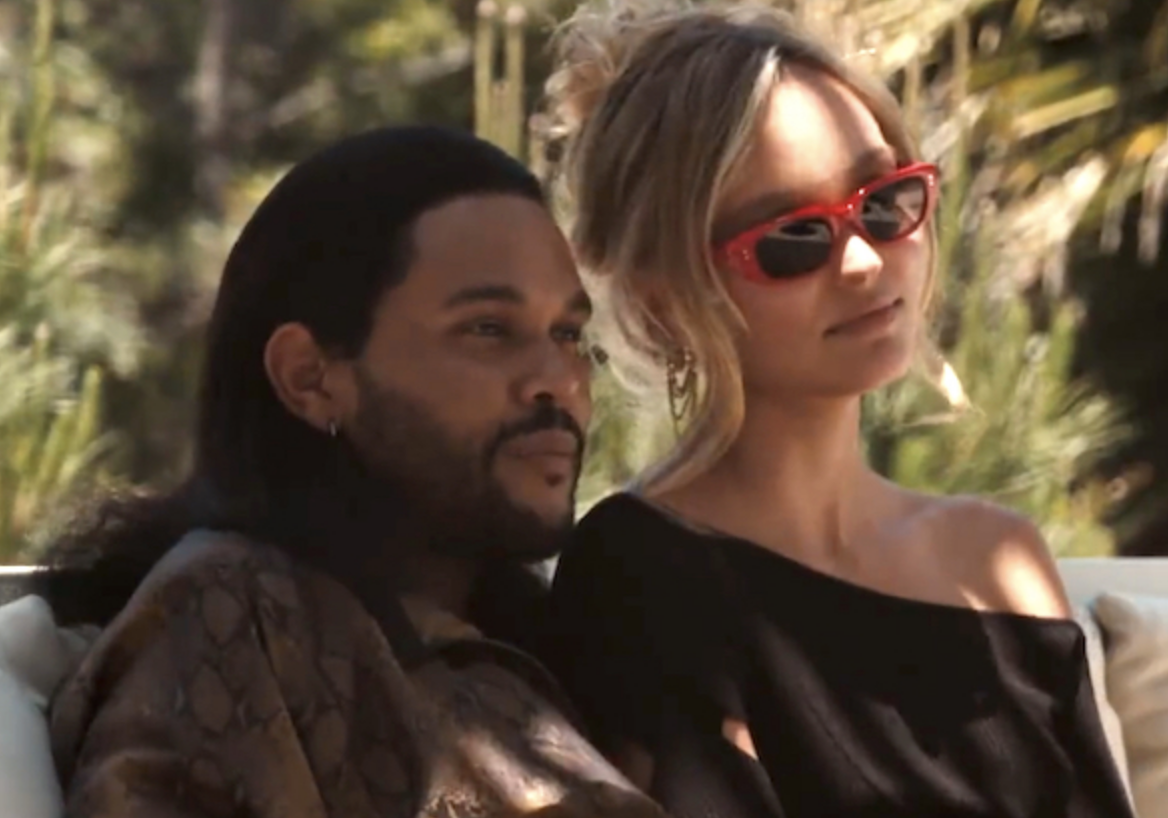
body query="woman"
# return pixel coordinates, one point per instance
(766, 626)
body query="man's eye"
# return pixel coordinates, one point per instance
(487, 328)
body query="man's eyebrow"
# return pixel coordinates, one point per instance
(867, 166)
(506, 294)
(485, 293)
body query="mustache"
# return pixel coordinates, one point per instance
(546, 417)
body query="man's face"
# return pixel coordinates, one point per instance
(472, 393)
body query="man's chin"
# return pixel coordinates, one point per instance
(526, 547)
(551, 514)
(550, 503)
(506, 528)
(533, 555)
(538, 534)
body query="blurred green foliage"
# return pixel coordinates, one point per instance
(136, 136)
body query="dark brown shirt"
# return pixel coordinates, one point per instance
(238, 683)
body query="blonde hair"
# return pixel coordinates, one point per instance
(657, 104)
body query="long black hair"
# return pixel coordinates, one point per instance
(332, 236)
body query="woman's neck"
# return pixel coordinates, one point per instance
(795, 480)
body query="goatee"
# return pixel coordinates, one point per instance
(420, 478)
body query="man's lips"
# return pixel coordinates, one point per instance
(551, 443)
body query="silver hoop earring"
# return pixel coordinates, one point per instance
(332, 428)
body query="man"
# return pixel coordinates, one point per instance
(392, 411)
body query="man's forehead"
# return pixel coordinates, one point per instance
(492, 248)
(490, 217)
(486, 279)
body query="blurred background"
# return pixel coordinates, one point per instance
(137, 135)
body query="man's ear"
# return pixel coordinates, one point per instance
(310, 383)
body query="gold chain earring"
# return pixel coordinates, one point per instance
(681, 377)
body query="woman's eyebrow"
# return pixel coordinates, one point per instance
(869, 165)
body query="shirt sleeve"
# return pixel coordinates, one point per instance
(178, 713)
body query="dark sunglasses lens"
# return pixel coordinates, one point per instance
(893, 211)
(794, 249)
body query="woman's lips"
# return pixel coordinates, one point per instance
(875, 320)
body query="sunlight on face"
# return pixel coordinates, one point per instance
(850, 326)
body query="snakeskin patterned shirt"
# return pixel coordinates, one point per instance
(239, 683)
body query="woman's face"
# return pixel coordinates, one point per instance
(849, 325)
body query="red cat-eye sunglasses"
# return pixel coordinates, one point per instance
(799, 243)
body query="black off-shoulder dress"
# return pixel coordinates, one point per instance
(860, 704)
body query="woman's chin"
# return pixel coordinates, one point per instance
(858, 381)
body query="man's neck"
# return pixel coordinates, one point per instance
(446, 582)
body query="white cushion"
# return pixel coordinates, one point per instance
(1136, 632)
(35, 656)
(1087, 577)
(1097, 667)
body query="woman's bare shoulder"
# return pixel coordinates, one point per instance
(998, 556)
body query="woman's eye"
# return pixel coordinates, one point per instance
(569, 335)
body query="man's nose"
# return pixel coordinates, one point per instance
(556, 374)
